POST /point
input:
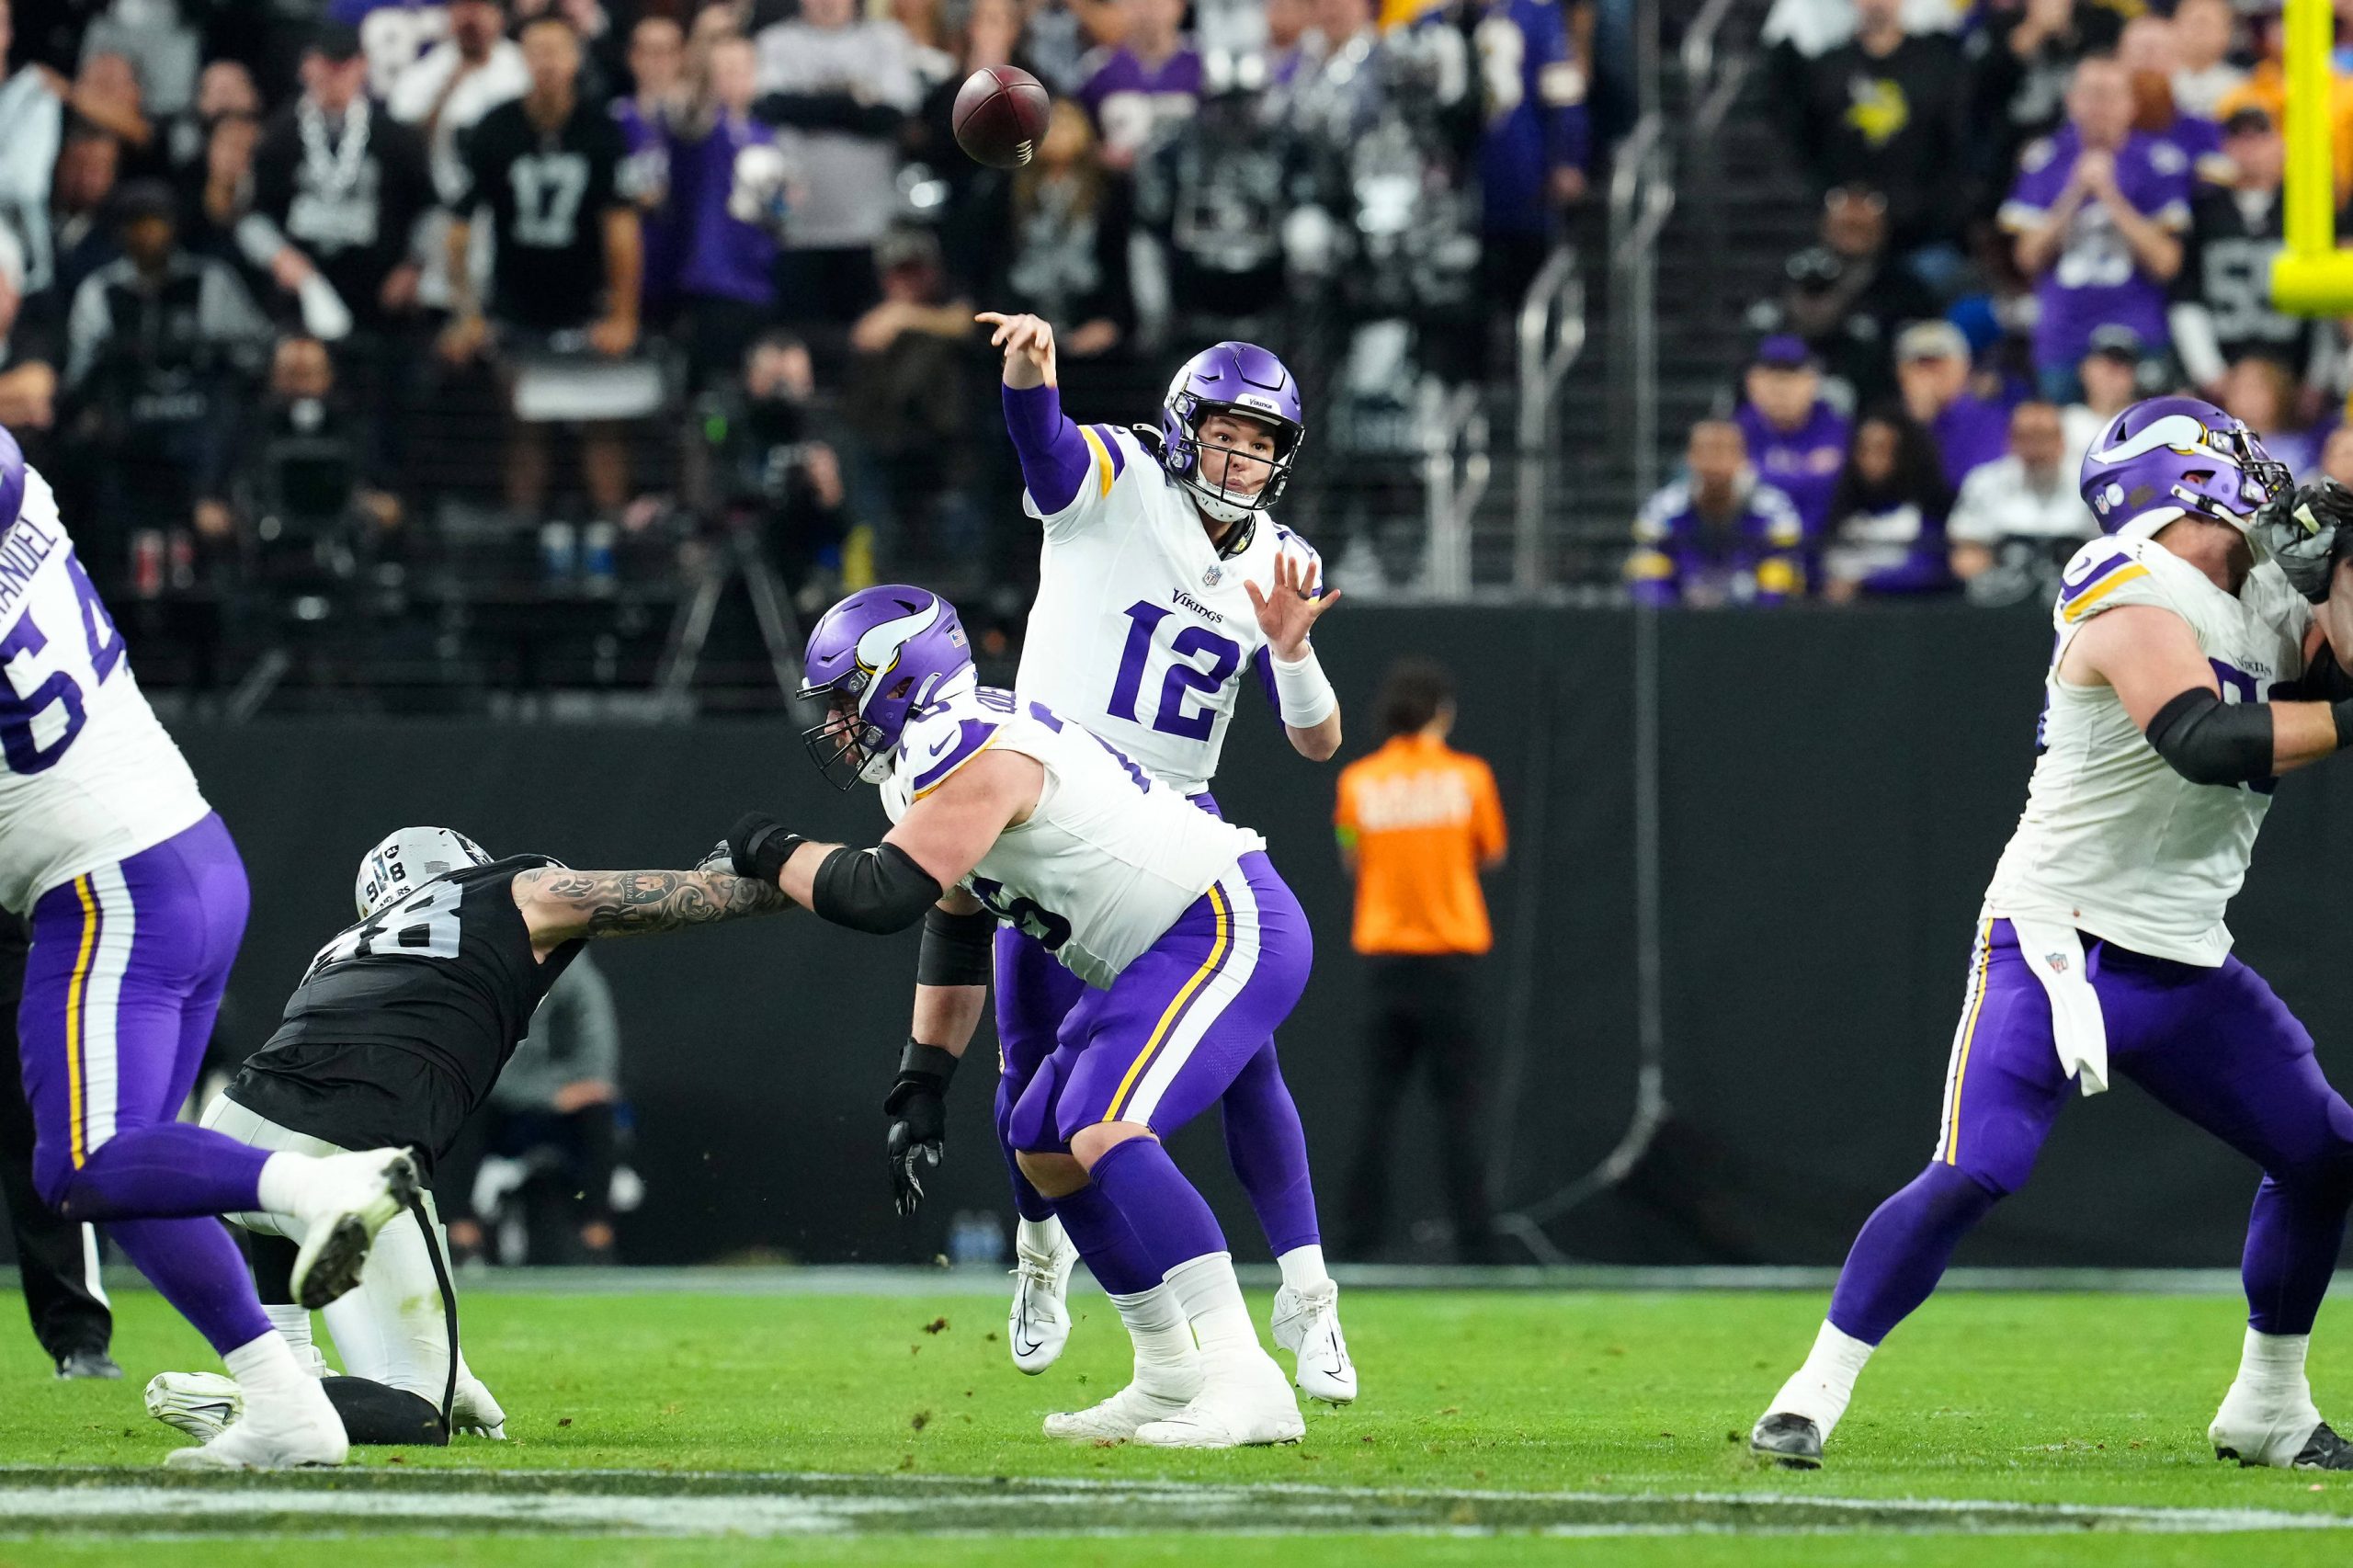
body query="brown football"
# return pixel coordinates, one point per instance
(1000, 116)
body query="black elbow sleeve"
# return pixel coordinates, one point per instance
(878, 890)
(958, 950)
(2209, 740)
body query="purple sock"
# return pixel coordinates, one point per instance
(1269, 1149)
(166, 1170)
(1171, 1222)
(194, 1266)
(1902, 1251)
(2293, 1239)
(1113, 1253)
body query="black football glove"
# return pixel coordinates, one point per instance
(758, 847)
(2299, 531)
(918, 1107)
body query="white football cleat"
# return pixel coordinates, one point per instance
(1307, 1323)
(2271, 1428)
(1038, 1326)
(1244, 1402)
(291, 1434)
(474, 1412)
(202, 1405)
(348, 1200)
(1118, 1417)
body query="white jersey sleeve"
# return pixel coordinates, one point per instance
(1117, 465)
(1109, 858)
(88, 776)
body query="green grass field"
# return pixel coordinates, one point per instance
(1495, 1429)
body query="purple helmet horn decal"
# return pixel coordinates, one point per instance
(876, 660)
(2165, 456)
(1249, 383)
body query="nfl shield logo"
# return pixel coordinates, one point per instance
(2057, 963)
(1213, 576)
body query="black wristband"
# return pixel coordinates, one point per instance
(958, 950)
(759, 845)
(922, 1068)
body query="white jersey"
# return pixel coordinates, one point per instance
(1141, 631)
(1109, 858)
(89, 776)
(2113, 841)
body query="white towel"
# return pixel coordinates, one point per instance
(2077, 1028)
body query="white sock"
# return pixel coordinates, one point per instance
(267, 1373)
(2274, 1363)
(1211, 1298)
(1304, 1268)
(1822, 1386)
(1039, 1238)
(2269, 1414)
(285, 1179)
(1164, 1341)
(292, 1322)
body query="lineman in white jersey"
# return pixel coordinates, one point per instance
(1163, 582)
(1191, 949)
(2190, 671)
(136, 901)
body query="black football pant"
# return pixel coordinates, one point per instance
(1425, 1011)
(55, 1257)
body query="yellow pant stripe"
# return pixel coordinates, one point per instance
(1968, 1034)
(1176, 1007)
(76, 990)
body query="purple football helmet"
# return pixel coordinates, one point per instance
(2168, 453)
(1239, 379)
(876, 660)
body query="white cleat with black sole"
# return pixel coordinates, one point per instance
(348, 1199)
(1307, 1323)
(201, 1405)
(474, 1414)
(1117, 1418)
(1244, 1403)
(297, 1433)
(1037, 1326)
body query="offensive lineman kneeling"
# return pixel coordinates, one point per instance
(394, 1038)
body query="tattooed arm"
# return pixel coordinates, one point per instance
(562, 905)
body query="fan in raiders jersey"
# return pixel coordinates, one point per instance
(393, 1039)
(1163, 580)
(2222, 312)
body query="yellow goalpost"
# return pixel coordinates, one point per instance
(2311, 277)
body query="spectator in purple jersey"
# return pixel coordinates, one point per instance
(657, 52)
(1151, 78)
(1533, 142)
(726, 284)
(1716, 536)
(2150, 52)
(2097, 213)
(1887, 530)
(2027, 52)
(1796, 440)
(1932, 375)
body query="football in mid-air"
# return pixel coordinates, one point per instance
(1000, 116)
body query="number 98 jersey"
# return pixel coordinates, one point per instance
(88, 776)
(1110, 856)
(1142, 629)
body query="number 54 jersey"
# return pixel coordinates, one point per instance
(1110, 856)
(1142, 629)
(88, 776)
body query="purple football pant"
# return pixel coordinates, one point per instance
(121, 986)
(2212, 1045)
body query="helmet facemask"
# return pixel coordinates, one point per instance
(848, 748)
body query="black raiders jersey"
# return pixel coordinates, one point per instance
(444, 981)
(2226, 266)
(351, 206)
(547, 194)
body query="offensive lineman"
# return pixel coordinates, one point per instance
(395, 1036)
(1191, 949)
(2190, 672)
(1163, 580)
(137, 901)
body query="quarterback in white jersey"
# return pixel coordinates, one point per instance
(1164, 587)
(136, 901)
(1192, 949)
(2191, 670)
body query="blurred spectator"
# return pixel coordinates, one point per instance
(28, 357)
(1887, 533)
(928, 41)
(1336, 103)
(2203, 73)
(975, 214)
(159, 49)
(657, 56)
(1153, 78)
(2148, 52)
(2098, 212)
(224, 88)
(2018, 518)
(159, 346)
(1060, 34)
(81, 240)
(2259, 393)
(2221, 310)
(1418, 824)
(340, 189)
(1885, 112)
(1718, 536)
(776, 474)
(906, 399)
(317, 507)
(445, 95)
(105, 95)
(1846, 299)
(841, 87)
(2109, 375)
(224, 199)
(1533, 142)
(1293, 43)
(2337, 455)
(2029, 54)
(2265, 88)
(1068, 259)
(1796, 440)
(546, 167)
(1807, 30)
(1932, 373)
(726, 267)
(32, 116)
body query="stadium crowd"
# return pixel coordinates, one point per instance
(2033, 213)
(313, 302)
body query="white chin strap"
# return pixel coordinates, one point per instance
(1218, 509)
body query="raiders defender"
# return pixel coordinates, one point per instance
(1163, 581)
(1192, 950)
(396, 1036)
(2190, 672)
